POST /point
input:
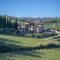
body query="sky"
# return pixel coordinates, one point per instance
(30, 8)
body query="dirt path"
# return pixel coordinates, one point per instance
(58, 32)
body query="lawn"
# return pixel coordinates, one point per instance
(21, 48)
(28, 42)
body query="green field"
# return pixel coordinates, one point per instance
(22, 48)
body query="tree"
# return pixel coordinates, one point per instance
(15, 25)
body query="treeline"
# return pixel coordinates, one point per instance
(12, 22)
(8, 22)
(52, 20)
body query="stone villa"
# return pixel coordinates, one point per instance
(31, 27)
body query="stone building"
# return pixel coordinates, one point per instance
(39, 28)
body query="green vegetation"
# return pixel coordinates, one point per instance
(55, 26)
(11, 22)
(22, 48)
(38, 46)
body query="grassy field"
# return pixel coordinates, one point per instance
(22, 48)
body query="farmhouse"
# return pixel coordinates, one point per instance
(31, 27)
(21, 29)
(39, 28)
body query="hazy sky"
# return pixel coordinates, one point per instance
(30, 8)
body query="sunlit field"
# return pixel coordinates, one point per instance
(24, 48)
